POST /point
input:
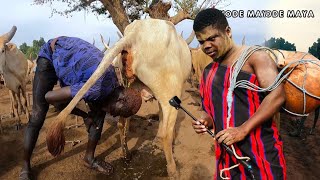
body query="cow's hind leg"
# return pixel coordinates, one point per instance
(169, 116)
(123, 126)
(25, 103)
(169, 120)
(18, 99)
(15, 110)
(160, 134)
(12, 113)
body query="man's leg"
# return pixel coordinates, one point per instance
(93, 138)
(44, 80)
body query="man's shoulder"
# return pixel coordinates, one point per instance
(208, 68)
(260, 56)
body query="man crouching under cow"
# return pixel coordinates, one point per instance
(72, 61)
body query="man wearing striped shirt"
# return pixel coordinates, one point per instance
(250, 129)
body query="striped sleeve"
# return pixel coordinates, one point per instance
(203, 89)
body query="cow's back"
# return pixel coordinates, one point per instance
(158, 51)
(16, 62)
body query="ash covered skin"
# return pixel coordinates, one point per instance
(123, 102)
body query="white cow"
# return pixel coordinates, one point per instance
(153, 52)
(13, 67)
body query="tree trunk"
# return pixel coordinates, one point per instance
(180, 16)
(117, 12)
(159, 10)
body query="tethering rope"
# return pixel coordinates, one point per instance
(235, 70)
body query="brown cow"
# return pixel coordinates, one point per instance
(13, 67)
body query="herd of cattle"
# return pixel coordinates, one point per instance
(160, 71)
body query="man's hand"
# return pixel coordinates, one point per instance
(231, 135)
(206, 123)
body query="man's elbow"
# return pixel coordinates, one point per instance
(49, 97)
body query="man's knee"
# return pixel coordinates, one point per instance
(35, 123)
(38, 116)
(94, 133)
(48, 97)
(95, 129)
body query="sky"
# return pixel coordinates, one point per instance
(302, 31)
(34, 21)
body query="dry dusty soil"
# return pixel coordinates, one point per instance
(193, 153)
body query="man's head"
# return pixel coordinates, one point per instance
(213, 32)
(123, 102)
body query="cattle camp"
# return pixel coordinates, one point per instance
(158, 89)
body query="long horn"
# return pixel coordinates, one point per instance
(8, 36)
(190, 38)
(55, 136)
(243, 40)
(106, 46)
(119, 35)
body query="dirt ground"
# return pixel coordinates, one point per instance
(193, 153)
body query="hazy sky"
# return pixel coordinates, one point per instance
(302, 31)
(35, 21)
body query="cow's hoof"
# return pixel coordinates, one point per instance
(173, 173)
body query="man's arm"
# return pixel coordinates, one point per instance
(266, 71)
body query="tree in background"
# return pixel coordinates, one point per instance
(315, 49)
(280, 43)
(32, 51)
(123, 12)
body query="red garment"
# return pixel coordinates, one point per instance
(262, 145)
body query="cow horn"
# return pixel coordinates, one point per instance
(8, 36)
(190, 38)
(243, 40)
(119, 34)
(106, 45)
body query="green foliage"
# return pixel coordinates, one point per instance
(280, 43)
(32, 50)
(315, 49)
